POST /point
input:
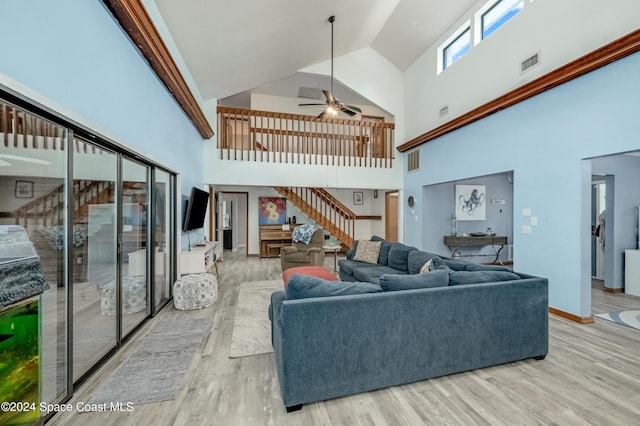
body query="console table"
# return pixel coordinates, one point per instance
(454, 244)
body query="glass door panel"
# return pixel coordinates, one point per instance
(33, 168)
(133, 260)
(163, 243)
(94, 263)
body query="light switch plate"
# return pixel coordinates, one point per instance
(526, 212)
(526, 229)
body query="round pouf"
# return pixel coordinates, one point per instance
(134, 296)
(195, 291)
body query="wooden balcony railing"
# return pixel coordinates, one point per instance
(250, 135)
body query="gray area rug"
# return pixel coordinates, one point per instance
(628, 318)
(251, 327)
(156, 370)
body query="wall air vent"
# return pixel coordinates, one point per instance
(444, 111)
(413, 160)
(309, 93)
(530, 62)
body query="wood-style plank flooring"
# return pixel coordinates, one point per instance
(591, 376)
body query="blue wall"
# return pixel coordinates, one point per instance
(75, 53)
(544, 140)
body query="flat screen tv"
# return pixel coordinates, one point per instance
(196, 210)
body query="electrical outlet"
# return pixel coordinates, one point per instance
(534, 221)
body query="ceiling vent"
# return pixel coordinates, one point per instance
(413, 160)
(309, 93)
(530, 62)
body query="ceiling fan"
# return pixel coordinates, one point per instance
(333, 105)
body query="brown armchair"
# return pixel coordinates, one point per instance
(301, 254)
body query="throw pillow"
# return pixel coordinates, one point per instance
(304, 286)
(367, 251)
(394, 282)
(426, 267)
(398, 257)
(383, 259)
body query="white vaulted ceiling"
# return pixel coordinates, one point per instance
(235, 46)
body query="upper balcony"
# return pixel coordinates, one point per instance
(262, 136)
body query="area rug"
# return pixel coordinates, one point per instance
(628, 318)
(252, 328)
(155, 371)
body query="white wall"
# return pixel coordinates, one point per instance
(560, 30)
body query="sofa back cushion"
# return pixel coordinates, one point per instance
(478, 277)
(463, 265)
(393, 282)
(398, 256)
(383, 258)
(417, 258)
(304, 286)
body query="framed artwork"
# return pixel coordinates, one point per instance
(24, 189)
(272, 210)
(358, 198)
(470, 202)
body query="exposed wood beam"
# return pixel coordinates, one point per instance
(607, 54)
(135, 21)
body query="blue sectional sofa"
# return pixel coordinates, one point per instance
(337, 338)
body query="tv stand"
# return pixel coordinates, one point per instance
(200, 259)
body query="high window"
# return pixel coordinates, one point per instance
(497, 14)
(454, 47)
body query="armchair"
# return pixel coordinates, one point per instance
(301, 254)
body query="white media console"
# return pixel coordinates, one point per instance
(201, 258)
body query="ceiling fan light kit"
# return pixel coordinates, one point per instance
(333, 106)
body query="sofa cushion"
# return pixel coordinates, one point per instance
(367, 251)
(462, 265)
(303, 287)
(477, 277)
(392, 282)
(383, 258)
(369, 274)
(348, 266)
(398, 255)
(416, 260)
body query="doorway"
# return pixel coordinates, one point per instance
(233, 211)
(391, 215)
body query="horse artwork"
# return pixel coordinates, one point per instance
(470, 202)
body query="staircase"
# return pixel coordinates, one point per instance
(324, 209)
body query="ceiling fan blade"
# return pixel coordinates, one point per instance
(348, 111)
(310, 104)
(329, 96)
(351, 107)
(321, 114)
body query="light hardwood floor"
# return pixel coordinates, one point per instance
(591, 376)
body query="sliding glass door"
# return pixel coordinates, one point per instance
(134, 238)
(102, 224)
(93, 255)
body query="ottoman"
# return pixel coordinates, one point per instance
(314, 271)
(134, 296)
(195, 291)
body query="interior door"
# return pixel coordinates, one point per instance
(391, 215)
